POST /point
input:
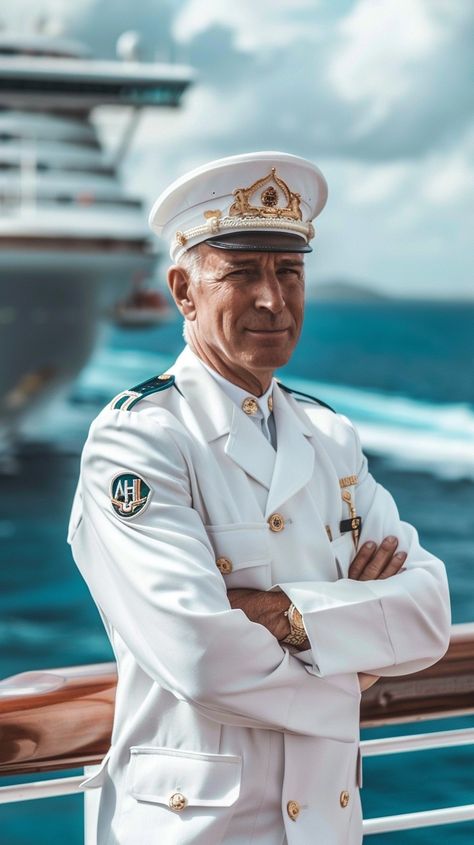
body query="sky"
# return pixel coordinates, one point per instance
(378, 93)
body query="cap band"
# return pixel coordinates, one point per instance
(217, 225)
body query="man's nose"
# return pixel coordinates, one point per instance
(269, 293)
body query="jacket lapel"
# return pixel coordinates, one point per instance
(248, 448)
(217, 416)
(295, 455)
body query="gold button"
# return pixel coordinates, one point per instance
(276, 522)
(224, 565)
(270, 403)
(293, 809)
(344, 798)
(177, 801)
(250, 406)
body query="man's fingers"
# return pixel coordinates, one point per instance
(394, 565)
(370, 561)
(380, 559)
(361, 559)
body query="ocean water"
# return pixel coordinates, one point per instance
(404, 373)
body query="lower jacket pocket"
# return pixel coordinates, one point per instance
(174, 796)
(181, 779)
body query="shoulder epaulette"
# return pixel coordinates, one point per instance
(126, 400)
(314, 399)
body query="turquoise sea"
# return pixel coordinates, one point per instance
(404, 372)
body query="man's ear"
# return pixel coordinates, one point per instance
(179, 283)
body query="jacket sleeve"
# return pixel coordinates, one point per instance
(155, 580)
(391, 626)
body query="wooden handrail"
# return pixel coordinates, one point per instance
(62, 718)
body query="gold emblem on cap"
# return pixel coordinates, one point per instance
(250, 406)
(181, 238)
(214, 219)
(271, 188)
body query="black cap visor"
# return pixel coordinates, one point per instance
(260, 242)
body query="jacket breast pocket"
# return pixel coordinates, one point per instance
(187, 796)
(242, 554)
(344, 552)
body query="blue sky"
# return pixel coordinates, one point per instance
(378, 93)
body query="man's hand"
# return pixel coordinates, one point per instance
(373, 562)
(263, 607)
(267, 608)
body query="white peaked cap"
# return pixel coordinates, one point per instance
(252, 192)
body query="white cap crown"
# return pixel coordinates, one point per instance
(253, 192)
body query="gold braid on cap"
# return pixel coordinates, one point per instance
(245, 213)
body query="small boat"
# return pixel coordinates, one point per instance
(143, 308)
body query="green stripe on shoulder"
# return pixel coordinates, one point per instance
(298, 393)
(127, 400)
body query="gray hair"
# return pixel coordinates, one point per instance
(191, 261)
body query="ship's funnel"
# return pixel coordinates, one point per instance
(128, 46)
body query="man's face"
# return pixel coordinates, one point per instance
(249, 306)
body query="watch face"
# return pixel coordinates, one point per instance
(297, 619)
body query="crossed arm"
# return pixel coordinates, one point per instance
(267, 608)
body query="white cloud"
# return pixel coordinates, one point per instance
(376, 184)
(255, 24)
(381, 47)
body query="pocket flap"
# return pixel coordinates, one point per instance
(203, 779)
(244, 544)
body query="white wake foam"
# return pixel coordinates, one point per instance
(414, 434)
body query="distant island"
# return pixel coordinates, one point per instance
(342, 290)
(337, 290)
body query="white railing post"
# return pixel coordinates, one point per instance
(91, 809)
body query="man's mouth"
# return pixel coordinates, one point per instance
(268, 331)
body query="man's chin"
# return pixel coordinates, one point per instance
(267, 359)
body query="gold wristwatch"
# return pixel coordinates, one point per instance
(297, 633)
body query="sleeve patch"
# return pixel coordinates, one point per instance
(129, 495)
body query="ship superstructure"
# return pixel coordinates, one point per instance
(71, 239)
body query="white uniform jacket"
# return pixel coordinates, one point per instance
(261, 741)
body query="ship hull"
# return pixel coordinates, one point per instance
(51, 307)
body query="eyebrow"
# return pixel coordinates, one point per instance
(249, 262)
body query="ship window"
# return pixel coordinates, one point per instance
(146, 92)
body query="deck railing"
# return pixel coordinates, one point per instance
(61, 719)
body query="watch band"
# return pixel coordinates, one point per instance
(297, 633)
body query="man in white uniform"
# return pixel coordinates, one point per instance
(251, 575)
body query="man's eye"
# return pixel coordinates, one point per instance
(290, 272)
(241, 273)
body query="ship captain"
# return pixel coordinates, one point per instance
(252, 576)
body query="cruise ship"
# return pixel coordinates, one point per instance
(72, 241)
